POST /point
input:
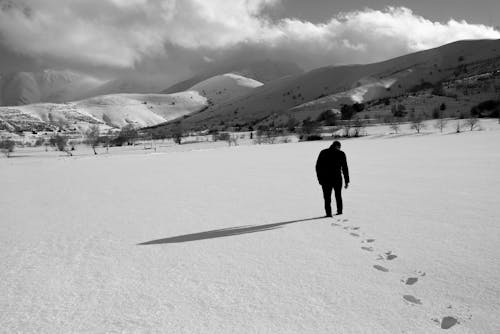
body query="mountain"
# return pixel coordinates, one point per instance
(21, 88)
(309, 93)
(138, 85)
(221, 88)
(116, 111)
(262, 71)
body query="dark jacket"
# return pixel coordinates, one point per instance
(331, 164)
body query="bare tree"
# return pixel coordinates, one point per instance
(107, 139)
(417, 124)
(359, 126)
(92, 137)
(472, 123)
(60, 142)
(347, 126)
(233, 140)
(7, 146)
(394, 125)
(440, 124)
(458, 126)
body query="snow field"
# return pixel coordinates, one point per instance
(231, 246)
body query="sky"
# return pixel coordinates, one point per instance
(175, 39)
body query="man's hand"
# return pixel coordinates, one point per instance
(347, 185)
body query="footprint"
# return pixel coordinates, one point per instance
(413, 280)
(411, 299)
(354, 228)
(446, 322)
(368, 249)
(389, 256)
(335, 224)
(380, 268)
(368, 241)
(345, 220)
(354, 234)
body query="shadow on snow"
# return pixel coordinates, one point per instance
(226, 232)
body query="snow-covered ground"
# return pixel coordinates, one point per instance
(225, 240)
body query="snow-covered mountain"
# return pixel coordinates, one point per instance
(262, 71)
(221, 88)
(46, 86)
(116, 110)
(330, 87)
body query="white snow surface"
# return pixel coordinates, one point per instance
(231, 251)
(221, 88)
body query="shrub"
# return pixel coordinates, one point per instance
(39, 141)
(7, 146)
(486, 108)
(309, 127)
(60, 142)
(328, 118)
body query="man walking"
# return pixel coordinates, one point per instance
(331, 164)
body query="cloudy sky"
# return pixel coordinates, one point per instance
(175, 38)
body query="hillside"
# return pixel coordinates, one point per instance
(129, 85)
(115, 110)
(330, 87)
(221, 88)
(22, 88)
(262, 71)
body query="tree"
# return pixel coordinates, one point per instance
(128, 134)
(92, 137)
(328, 117)
(472, 123)
(442, 107)
(309, 127)
(7, 146)
(346, 112)
(60, 142)
(417, 123)
(394, 125)
(291, 124)
(440, 124)
(107, 139)
(178, 133)
(398, 110)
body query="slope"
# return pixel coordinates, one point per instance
(115, 110)
(263, 71)
(221, 88)
(354, 83)
(21, 88)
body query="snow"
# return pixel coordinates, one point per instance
(228, 248)
(221, 88)
(116, 110)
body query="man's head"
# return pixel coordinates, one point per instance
(336, 145)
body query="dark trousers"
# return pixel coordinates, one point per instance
(327, 196)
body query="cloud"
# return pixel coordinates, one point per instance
(129, 33)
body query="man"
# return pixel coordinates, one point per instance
(330, 166)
